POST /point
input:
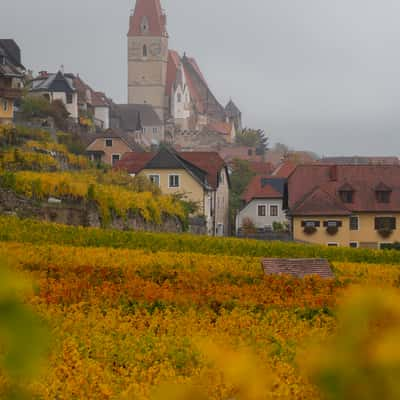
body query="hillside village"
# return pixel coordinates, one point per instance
(174, 134)
(164, 248)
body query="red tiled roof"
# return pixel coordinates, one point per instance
(196, 67)
(194, 92)
(257, 190)
(224, 128)
(134, 162)
(154, 13)
(285, 169)
(172, 69)
(360, 160)
(209, 162)
(240, 152)
(299, 268)
(261, 168)
(319, 202)
(99, 99)
(312, 184)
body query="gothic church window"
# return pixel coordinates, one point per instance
(144, 26)
(144, 51)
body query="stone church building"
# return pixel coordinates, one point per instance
(170, 83)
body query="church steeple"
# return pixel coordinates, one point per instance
(148, 56)
(148, 19)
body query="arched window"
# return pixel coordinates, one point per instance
(179, 97)
(144, 26)
(144, 51)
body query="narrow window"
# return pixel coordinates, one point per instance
(155, 130)
(273, 211)
(155, 179)
(115, 158)
(179, 97)
(144, 51)
(262, 211)
(174, 181)
(5, 105)
(354, 223)
(69, 98)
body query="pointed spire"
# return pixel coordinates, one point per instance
(148, 19)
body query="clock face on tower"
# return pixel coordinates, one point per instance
(155, 49)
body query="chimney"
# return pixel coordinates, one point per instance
(333, 173)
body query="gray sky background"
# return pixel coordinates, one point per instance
(321, 75)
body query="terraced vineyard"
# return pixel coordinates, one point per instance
(126, 316)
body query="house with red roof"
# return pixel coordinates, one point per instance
(349, 205)
(200, 177)
(264, 204)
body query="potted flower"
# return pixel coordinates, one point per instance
(310, 229)
(385, 232)
(332, 230)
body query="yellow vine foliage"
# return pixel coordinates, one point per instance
(85, 186)
(143, 324)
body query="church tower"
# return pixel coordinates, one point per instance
(148, 56)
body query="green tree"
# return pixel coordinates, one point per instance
(253, 138)
(240, 178)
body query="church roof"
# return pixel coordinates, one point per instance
(232, 110)
(152, 11)
(172, 69)
(204, 100)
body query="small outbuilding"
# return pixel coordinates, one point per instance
(299, 268)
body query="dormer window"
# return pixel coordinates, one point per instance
(382, 193)
(347, 196)
(346, 193)
(144, 26)
(383, 197)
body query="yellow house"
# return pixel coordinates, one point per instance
(109, 147)
(11, 75)
(200, 177)
(346, 205)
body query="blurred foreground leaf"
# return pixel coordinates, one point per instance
(23, 336)
(362, 361)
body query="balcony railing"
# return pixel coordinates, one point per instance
(10, 93)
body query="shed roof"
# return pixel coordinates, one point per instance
(299, 268)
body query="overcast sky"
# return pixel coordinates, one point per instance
(321, 75)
